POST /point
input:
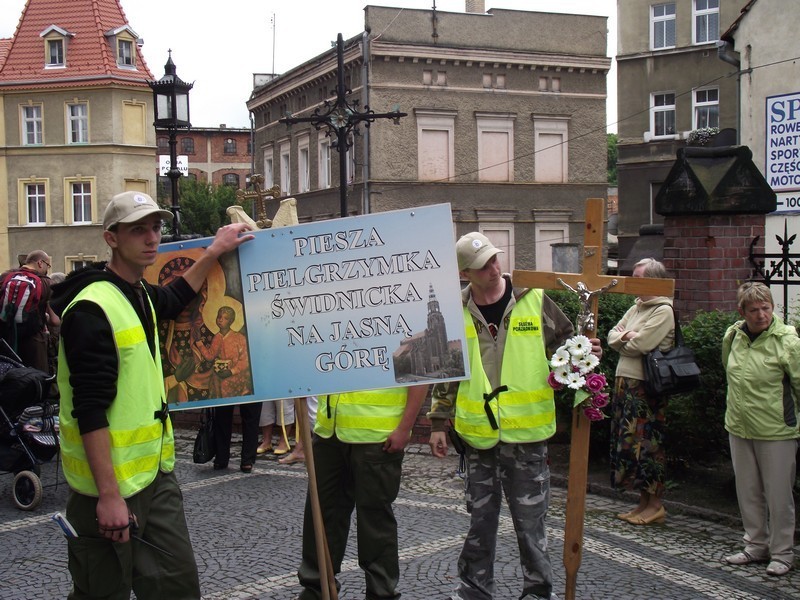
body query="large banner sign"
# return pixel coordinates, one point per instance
(783, 150)
(349, 304)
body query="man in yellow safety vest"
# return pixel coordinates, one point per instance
(504, 415)
(117, 446)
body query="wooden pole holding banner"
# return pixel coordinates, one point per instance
(589, 284)
(327, 581)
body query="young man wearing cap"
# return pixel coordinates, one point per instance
(504, 414)
(117, 446)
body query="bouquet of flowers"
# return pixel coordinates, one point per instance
(573, 366)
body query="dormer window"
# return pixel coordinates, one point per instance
(55, 53)
(55, 46)
(125, 53)
(123, 41)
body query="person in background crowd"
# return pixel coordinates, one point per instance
(31, 344)
(504, 414)
(298, 453)
(280, 412)
(638, 423)
(116, 438)
(761, 356)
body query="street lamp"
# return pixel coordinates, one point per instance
(171, 108)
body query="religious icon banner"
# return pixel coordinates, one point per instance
(365, 302)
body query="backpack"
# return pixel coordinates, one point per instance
(21, 296)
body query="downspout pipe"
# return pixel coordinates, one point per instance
(365, 172)
(726, 53)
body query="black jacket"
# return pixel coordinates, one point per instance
(88, 338)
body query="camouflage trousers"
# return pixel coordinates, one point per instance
(521, 472)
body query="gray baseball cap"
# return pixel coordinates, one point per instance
(474, 250)
(129, 207)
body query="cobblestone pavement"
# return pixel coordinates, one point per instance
(246, 534)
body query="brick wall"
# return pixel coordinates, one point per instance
(708, 257)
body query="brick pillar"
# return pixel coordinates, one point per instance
(708, 257)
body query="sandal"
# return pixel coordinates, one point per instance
(246, 468)
(261, 450)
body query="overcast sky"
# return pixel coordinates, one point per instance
(219, 45)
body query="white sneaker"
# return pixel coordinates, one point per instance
(743, 558)
(778, 568)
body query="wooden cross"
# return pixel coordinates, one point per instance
(590, 279)
(259, 199)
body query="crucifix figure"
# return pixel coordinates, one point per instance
(340, 119)
(588, 285)
(585, 321)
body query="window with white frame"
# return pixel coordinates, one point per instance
(435, 141)
(547, 233)
(79, 261)
(662, 26)
(36, 201)
(125, 53)
(551, 148)
(662, 114)
(324, 164)
(81, 197)
(706, 21)
(303, 165)
(32, 131)
(286, 172)
(706, 108)
(78, 121)
(350, 165)
(269, 172)
(495, 146)
(55, 53)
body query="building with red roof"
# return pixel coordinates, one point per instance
(76, 127)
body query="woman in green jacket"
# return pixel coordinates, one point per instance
(761, 356)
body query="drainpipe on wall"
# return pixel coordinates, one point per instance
(252, 144)
(726, 53)
(365, 204)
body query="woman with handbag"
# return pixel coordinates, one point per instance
(637, 418)
(761, 356)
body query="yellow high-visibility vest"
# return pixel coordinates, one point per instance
(141, 444)
(526, 411)
(361, 417)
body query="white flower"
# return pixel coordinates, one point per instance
(579, 345)
(560, 358)
(587, 363)
(575, 380)
(562, 374)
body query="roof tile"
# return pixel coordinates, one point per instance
(90, 56)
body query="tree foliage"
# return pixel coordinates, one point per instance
(203, 206)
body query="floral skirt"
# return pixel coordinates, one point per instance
(638, 427)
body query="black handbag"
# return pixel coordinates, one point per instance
(671, 372)
(204, 448)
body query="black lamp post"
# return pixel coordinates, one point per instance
(171, 108)
(340, 118)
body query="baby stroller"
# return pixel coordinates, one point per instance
(28, 427)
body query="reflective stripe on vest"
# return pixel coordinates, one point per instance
(525, 411)
(361, 417)
(140, 443)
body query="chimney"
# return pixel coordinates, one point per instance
(475, 6)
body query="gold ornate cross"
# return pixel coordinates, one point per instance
(259, 199)
(588, 285)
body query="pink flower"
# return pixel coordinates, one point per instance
(593, 414)
(553, 382)
(600, 400)
(595, 382)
